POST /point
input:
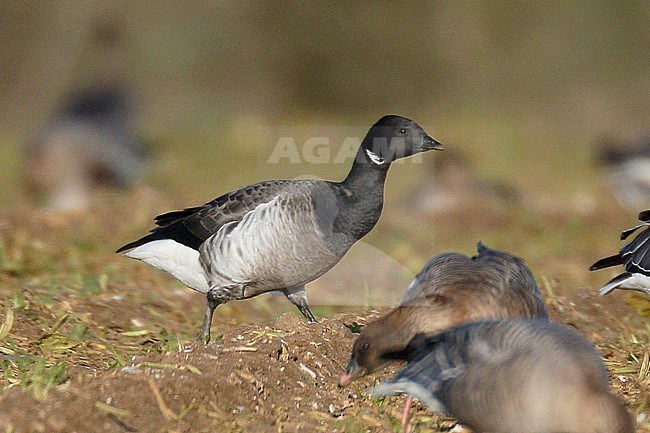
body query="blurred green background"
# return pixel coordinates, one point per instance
(521, 88)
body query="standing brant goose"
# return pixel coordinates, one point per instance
(635, 256)
(517, 375)
(278, 234)
(450, 290)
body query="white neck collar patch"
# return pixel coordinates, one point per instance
(374, 157)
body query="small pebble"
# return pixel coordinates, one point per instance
(130, 369)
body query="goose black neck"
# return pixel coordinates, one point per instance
(364, 172)
(362, 203)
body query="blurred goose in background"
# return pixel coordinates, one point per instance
(626, 166)
(512, 376)
(451, 289)
(634, 256)
(448, 182)
(90, 144)
(279, 234)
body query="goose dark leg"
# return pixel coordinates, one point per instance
(212, 304)
(298, 297)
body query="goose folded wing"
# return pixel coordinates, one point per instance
(192, 226)
(422, 378)
(233, 206)
(637, 254)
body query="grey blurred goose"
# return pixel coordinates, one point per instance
(626, 165)
(451, 289)
(279, 234)
(90, 143)
(512, 376)
(634, 256)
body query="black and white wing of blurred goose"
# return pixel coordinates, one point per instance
(278, 235)
(634, 256)
(518, 375)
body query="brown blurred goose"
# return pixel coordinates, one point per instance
(451, 289)
(512, 376)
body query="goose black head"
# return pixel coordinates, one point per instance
(395, 137)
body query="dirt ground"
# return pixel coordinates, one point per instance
(94, 342)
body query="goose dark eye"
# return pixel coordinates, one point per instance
(403, 131)
(366, 346)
